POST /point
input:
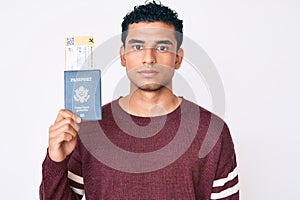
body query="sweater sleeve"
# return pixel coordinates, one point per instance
(60, 180)
(225, 185)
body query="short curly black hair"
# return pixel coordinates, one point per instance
(153, 12)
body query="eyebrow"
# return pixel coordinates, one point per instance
(135, 41)
(164, 42)
(157, 42)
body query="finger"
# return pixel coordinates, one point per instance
(66, 137)
(62, 114)
(65, 114)
(56, 142)
(64, 122)
(66, 128)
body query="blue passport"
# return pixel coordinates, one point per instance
(83, 93)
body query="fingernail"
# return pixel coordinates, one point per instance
(78, 120)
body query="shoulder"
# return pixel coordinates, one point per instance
(205, 116)
(107, 107)
(213, 131)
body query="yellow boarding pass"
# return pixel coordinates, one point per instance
(79, 53)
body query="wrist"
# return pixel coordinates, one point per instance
(56, 156)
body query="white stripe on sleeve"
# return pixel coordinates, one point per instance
(225, 193)
(77, 191)
(75, 177)
(231, 176)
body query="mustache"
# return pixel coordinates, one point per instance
(151, 68)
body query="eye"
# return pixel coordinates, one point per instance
(162, 48)
(137, 47)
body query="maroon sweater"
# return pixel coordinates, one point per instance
(186, 154)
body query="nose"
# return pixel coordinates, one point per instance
(149, 56)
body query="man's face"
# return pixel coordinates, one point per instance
(150, 55)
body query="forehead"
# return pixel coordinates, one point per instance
(151, 31)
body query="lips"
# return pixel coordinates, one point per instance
(148, 73)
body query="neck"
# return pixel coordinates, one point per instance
(150, 103)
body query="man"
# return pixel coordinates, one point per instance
(148, 144)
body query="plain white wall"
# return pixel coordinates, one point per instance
(253, 44)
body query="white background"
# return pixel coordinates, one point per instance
(254, 44)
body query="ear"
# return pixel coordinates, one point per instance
(179, 58)
(122, 56)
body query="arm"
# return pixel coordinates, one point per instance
(225, 185)
(57, 180)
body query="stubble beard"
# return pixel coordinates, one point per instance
(151, 87)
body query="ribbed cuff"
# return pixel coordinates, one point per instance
(53, 168)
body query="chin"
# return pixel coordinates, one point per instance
(151, 87)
